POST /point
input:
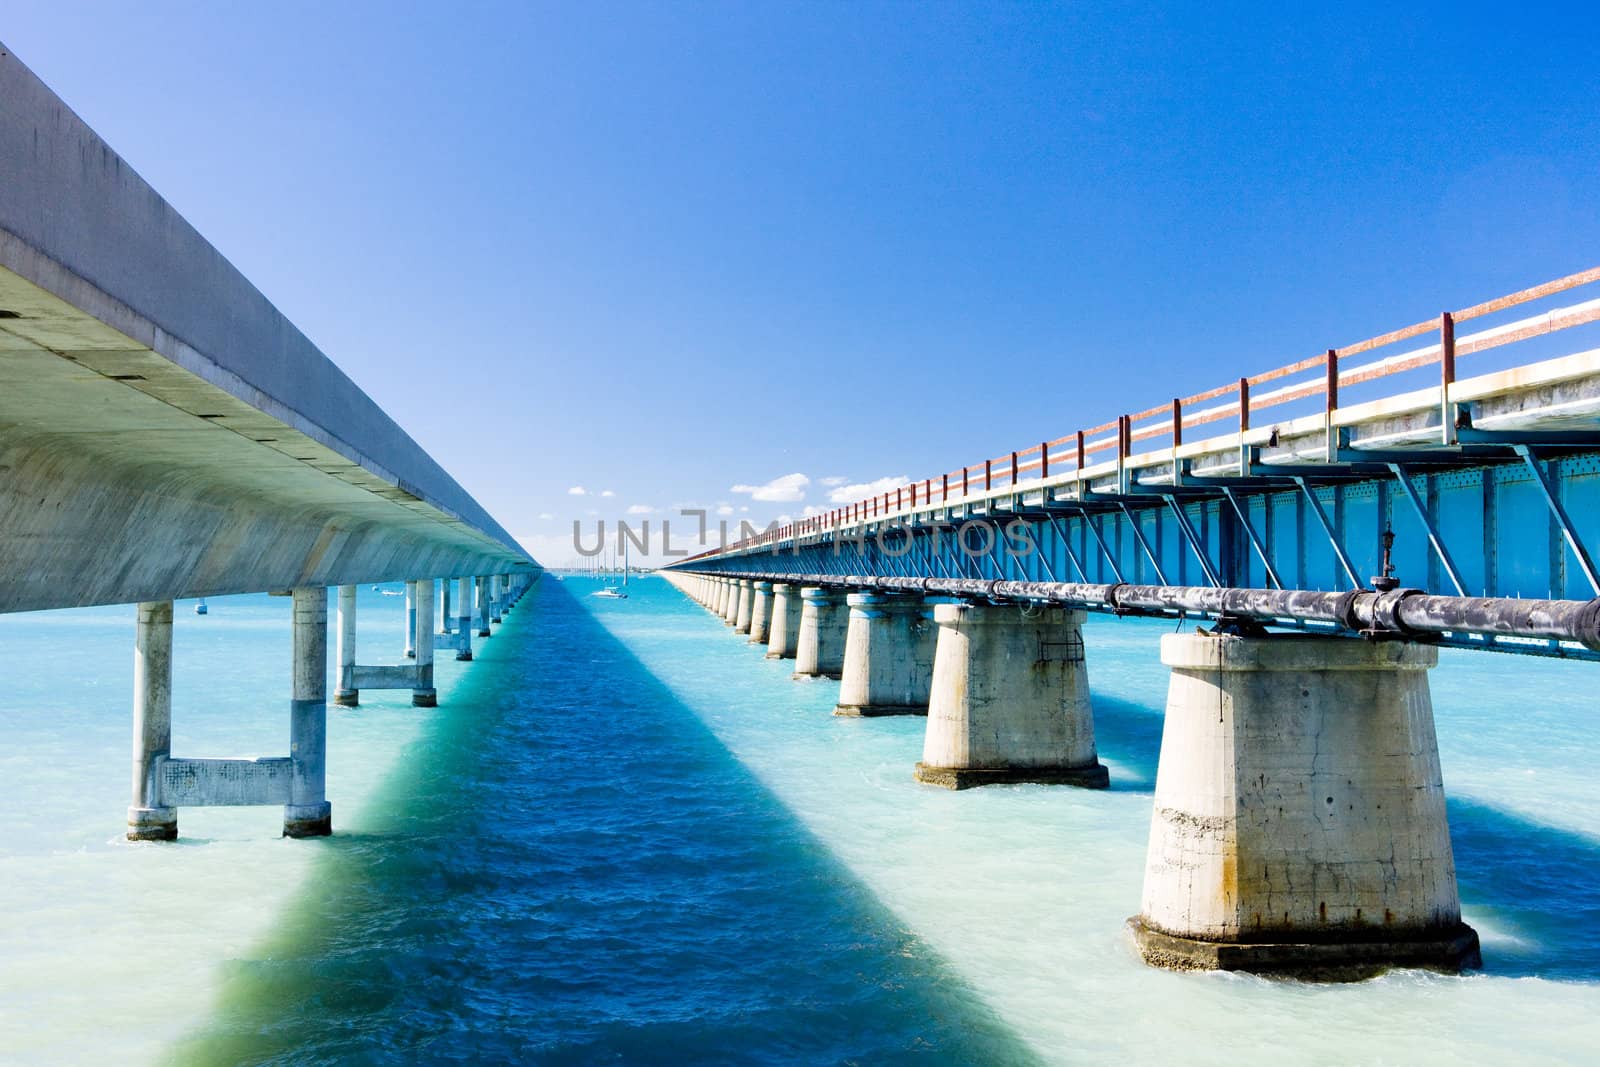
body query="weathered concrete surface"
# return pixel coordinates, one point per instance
(308, 813)
(1010, 700)
(784, 639)
(423, 694)
(824, 620)
(888, 656)
(761, 613)
(1299, 821)
(148, 818)
(164, 431)
(741, 619)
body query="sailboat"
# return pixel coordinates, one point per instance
(611, 592)
(200, 608)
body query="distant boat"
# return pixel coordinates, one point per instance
(611, 592)
(200, 608)
(391, 592)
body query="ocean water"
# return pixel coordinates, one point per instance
(626, 837)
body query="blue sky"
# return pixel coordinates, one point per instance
(667, 250)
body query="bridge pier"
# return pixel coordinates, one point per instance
(481, 585)
(1010, 699)
(719, 597)
(446, 620)
(345, 694)
(742, 617)
(819, 647)
(783, 634)
(463, 618)
(1299, 824)
(308, 813)
(423, 693)
(496, 611)
(761, 613)
(888, 656)
(411, 620)
(148, 818)
(730, 603)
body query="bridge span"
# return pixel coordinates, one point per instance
(166, 433)
(1335, 522)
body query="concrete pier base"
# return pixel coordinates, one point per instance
(411, 620)
(148, 819)
(423, 694)
(888, 656)
(345, 693)
(760, 613)
(784, 631)
(308, 813)
(746, 609)
(730, 600)
(819, 647)
(1010, 700)
(464, 618)
(1299, 822)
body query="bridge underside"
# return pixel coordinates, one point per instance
(126, 477)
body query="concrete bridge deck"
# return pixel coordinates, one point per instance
(164, 431)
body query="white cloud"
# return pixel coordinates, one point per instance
(577, 490)
(546, 515)
(640, 509)
(745, 507)
(835, 480)
(790, 488)
(784, 519)
(811, 511)
(607, 492)
(849, 494)
(725, 509)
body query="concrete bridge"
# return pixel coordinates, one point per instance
(1335, 521)
(165, 433)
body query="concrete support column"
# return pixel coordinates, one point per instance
(411, 618)
(747, 596)
(446, 619)
(819, 648)
(345, 693)
(1010, 699)
(423, 695)
(152, 723)
(888, 655)
(308, 813)
(464, 617)
(760, 613)
(496, 612)
(482, 585)
(730, 603)
(784, 637)
(1299, 822)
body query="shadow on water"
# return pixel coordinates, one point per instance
(573, 869)
(1538, 885)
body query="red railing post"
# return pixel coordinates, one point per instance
(964, 489)
(1332, 387)
(1013, 468)
(1044, 459)
(988, 474)
(1244, 406)
(1080, 450)
(1177, 422)
(946, 497)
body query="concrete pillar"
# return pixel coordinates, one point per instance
(730, 602)
(345, 692)
(785, 628)
(411, 619)
(760, 613)
(819, 648)
(747, 595)
(1299, 822)
(423, 694)
(496, 613)
(308, 813)
(464, 617)
(1010, 699)
(152, 722)
(888, 655)
(482, 585)
(718, 589)
(446, 619)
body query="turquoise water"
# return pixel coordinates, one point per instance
(626, 837)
